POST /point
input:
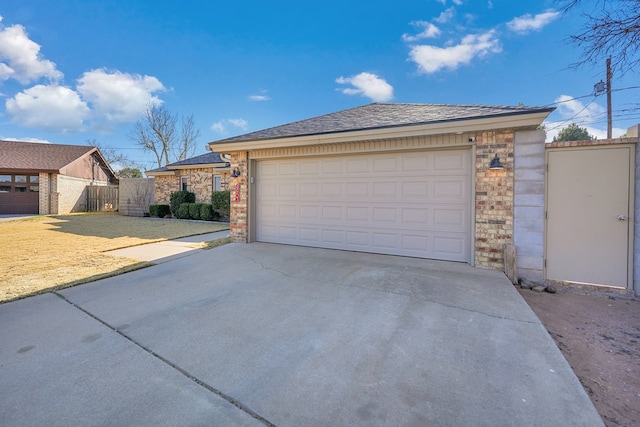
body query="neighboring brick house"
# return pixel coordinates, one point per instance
(201, 175)
(401, 179)
(41, 178)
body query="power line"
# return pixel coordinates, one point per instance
(575, 115)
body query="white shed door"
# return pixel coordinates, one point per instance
(412, 203)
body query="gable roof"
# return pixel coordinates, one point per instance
(384, 115)
(38, 156)
(210, 159)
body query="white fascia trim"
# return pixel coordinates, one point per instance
(200, 166)
(457, 126)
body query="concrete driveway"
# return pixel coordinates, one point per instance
(270, 334)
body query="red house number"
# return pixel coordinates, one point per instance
(237, 192)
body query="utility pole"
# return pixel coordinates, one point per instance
(609, 121)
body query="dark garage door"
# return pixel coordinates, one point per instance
(19, 194)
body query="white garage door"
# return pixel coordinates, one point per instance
(411, 203)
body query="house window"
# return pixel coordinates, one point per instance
(5, 183)
(217, 183)
(184, 183)
(19, 183)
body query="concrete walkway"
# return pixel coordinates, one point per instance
(170, 249)
(265, 334)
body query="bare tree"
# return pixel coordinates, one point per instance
(187, 144)
(611, 30)
(109, 154)
(113, 157)
(156, 132)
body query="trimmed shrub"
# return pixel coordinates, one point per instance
(194, 210)
(206, 212)
(221, 201)
(183, 211)
(179, 197)
(159, 211)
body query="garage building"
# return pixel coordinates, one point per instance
(420, 180)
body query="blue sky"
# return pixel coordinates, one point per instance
(77, 70)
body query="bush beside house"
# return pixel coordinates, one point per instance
(221, 201)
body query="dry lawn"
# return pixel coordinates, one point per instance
(51, 252)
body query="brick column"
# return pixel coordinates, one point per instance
(494, 198)
(239, 228)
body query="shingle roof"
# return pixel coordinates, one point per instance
(39, 156)
(383, 115)
(203, 159)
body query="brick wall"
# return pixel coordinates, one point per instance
(239, 227)
(494, 197)
(199, 181)
(72, 195)
(163, 186)
(44, 205)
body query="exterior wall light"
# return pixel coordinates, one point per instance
(495, 163)
(235, 173)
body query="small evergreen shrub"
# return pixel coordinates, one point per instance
(194, 210)
(221, 201)
(206, 212)
(179, 197)
(159, 211)
(183, 211)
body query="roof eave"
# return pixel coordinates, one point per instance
(160, 173)
(200, 166)
(520, 120)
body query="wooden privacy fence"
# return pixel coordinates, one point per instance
(102, 198)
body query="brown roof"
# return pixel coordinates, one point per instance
(42, 157)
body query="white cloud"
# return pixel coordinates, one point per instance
(430, 31)
(526, 23)
(117, 96)
(490, 4)
(259, 98)
(26, 139)
(20, 57)
(369, 85)
(445, 16)
(457, 2)
(223, 125)
(54, 108)
(574, 111)
(570, 108)
(433, 58)
(101, 100)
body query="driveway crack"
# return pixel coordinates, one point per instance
(182, 371)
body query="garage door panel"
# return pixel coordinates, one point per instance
(416, 163)
(415, 188)
(394, 203)
(288, 189)
(360, 214)
(356, 166)
(447, 218)
(309, 212)
(357, 239)
(450, 161)
(332, 166)
(331, 212)
(309, 167)
(358, 189)
(308, 189)
(449, 189)
(332, 189)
